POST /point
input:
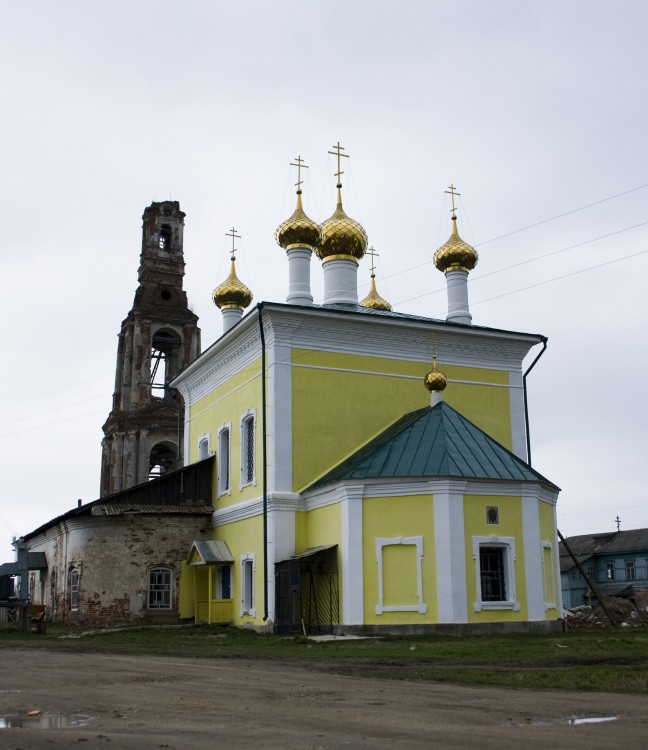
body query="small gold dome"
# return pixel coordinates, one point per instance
(298, 229)
(455, 255)
(342, 235)
(232, 292)
(373, 300)
(435, 380)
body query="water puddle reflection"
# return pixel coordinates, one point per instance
(45, 721)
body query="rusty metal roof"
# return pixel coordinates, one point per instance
(428, 443)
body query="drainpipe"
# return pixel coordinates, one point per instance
(264, 463)
(526, 403)
(170, 397)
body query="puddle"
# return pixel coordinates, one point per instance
(45, 721)
(567, 722)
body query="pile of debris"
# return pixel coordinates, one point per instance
(623, 611)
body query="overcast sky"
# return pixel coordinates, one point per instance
(536, 111)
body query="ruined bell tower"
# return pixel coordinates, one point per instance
(158, 338)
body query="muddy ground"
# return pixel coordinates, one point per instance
(142, 702)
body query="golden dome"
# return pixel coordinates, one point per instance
(232, 292)
(373, 300)
(455, 255)
(342, 235)
(298, 229)
(435, 380)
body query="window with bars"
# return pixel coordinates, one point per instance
(224, 461)
(491, 566)
(159, 588)
(247, 449)
(74, 589)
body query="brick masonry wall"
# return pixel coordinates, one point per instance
(113, 555)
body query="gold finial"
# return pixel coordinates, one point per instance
(340, 155)
(300, 165)
(234, 236)
(451, 191)
(435, 381)
(373, 300)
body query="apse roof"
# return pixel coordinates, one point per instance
(432, 442)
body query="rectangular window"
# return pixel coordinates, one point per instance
(491, 565)
(630, 570)
(494, 558)
(159, 588)
(591, 572)
(74, 590)
(247, 449)
(609, 571)
(224, 461)
(247, 585)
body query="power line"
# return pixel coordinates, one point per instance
(54, 390)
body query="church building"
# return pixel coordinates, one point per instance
(371, 467)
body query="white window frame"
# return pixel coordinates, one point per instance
(248, 561)
(507, 544)
(224, 488)
(415, 541)
(549, 546)
(159, 569)
(249, 415)
(203, 446)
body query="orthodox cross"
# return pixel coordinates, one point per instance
(340, 155)
(234, 236)
(373, 254)
(300, 165)
(618, 522)
(452, 192)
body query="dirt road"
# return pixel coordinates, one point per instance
(140, 703)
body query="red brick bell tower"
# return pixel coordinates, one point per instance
(158, 338)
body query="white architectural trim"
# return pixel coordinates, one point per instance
(248, 610)
(352, 563)
(204, 441)
(554, 587)
(507, 543)
(277, 502)
(416, 541)
(533, 564)
(279, 417)
(450, 551)
(224, 480)
(250, 414)
(518, 419)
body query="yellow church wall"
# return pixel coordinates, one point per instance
(245, 538)
(510, 525)
(388, 518)
(228, 404)
(356, 397)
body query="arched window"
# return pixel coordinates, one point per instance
(160, 581)
(165, 238)
(203, 447)
(163, 459)
(224, 484)
(247, 449)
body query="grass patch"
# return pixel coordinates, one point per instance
(586, 660)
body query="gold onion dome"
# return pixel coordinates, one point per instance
(455, 255)
(373, 300)
(232, 292)
(435, 380)
(298, 229)
(342, 235)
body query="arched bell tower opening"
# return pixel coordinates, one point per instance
(158, 338)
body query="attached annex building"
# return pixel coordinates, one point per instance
(349, 494)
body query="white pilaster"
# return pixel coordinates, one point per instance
(450, 549)
(352, 567)
(533, 559)
(458, 309)
(340, 280)
(518, 422)
(299, 287)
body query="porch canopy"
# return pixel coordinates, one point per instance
(208, 552)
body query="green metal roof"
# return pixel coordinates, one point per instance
(432, 442)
